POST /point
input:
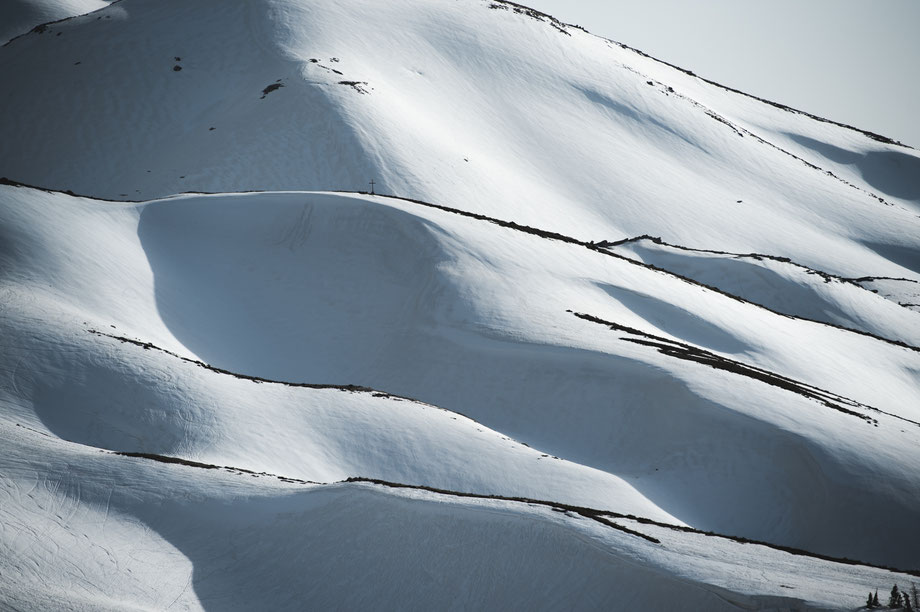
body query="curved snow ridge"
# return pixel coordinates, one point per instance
(23, 17)
(609, 248)
(460, 313)
(257, 379)
(604, 246)
(601, 516)
(783, 107)
(783, 286)
(688, 352)
(658, 241)
(742, 131)
(175, 234)
(884, 167)
(190, 262)
(200, 304)
(619, 157)
(597, 515)
(560, 25)
(169, 405)
(591, 513)
(108, 532)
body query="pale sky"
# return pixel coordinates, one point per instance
(853, 61)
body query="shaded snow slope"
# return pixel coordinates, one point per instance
(492, 331)
(466, 315)
(889, 172)
(786, 287)
(469, 104)
(20, 16)
(115, 533)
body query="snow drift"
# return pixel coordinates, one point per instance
(187, 374)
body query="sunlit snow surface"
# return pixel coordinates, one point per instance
(751, 371)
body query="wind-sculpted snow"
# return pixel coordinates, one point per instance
(903, 291)
(464, 314)
(491, 111)
(115, 532)
(18, 17)
(786, 287)
(894, 173)
(476, 391)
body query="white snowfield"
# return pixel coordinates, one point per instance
(538, 405)
(793, 289)
(111, 532)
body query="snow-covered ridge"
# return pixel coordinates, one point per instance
(787, 287)
(183, 243)
(560, 372)
(564, 139)
(184, 519)
(19, 17)
(601, 516)
(784, 107)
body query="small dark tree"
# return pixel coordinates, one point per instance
(913, 594)
(875, 602)
(907, 605)
(869, 601)
(894, 601)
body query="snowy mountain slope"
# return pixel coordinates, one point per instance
(114, 532)
(500, 283)
(903, 291)
(478, 108)
(121, 397)
(20, 16)
(466, 315)
(783, 286)
(492, 335)
(885, 168)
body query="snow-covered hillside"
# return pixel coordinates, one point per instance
(469, 104)
(19, 16)
(790, 288)
(533, 402)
